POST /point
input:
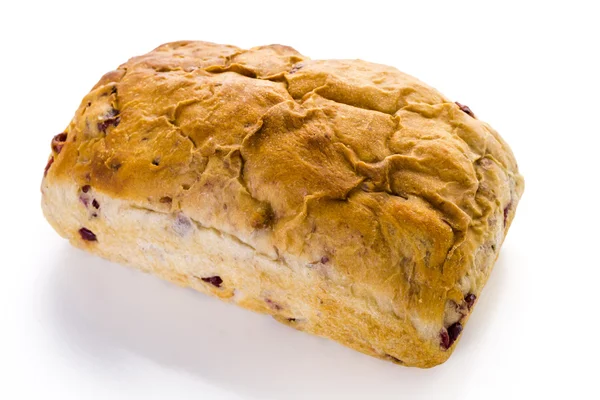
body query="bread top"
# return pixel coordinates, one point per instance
(352, 168)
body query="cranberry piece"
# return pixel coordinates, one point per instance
(324, 260)
(465, 109)
(273, 305)
(61, 137)
(454, 331)
(104, 125)
(84, 200)
(449, 336)
(57, 148)
(470, 300)
(50, 161)
(112, 119)
(86, 188)
(506, 210)
(182, 225)
(58, 142)
(213, 280)
(95, 204)
(444, 339)
(88, 235)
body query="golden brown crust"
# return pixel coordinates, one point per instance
(404, 194)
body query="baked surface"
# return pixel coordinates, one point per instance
(345, 198)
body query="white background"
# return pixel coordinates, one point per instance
(77, 327)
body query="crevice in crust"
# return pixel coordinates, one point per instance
(216, 231)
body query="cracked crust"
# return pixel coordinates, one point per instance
(345, 198)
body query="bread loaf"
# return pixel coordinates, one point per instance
(344, 198)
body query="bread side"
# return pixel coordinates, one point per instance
(347, 199)
(179, 249)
